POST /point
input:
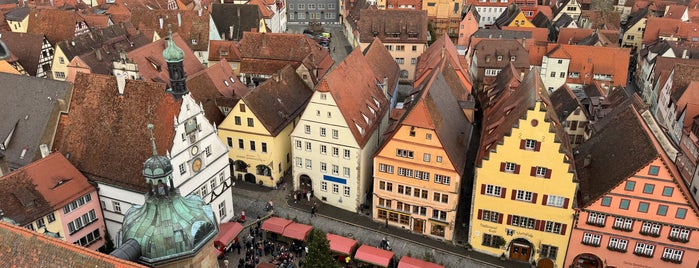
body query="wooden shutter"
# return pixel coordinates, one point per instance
(480, 214)
(537, 223)
(482, 188)
(517, 169)
(545, 199)
(499, 217)
(548, 173)
(522, 143)
(563, 229)
(514, 194)
(542, 226)
(502, 166)
(509, 219)
(565, 202)
(533, 172)
(537, 146)
(503, 192)
(534, 198)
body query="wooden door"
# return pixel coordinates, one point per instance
(520, 252)
(418, 225)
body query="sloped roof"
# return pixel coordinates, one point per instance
(152, 66)
(27, 248)
(615, 153)
(279, 100)
(682, 75)
(689, 103)
(564, 102)
(493, 48)
(602, 19)
(541, 20)
(242, 18)
(507, 16)
(356, 91)
(656, 27)
(382, 64)
(216, 86)
(47, 184)
(590, 60)
(221, 49)
(537, 34)
(27, 48)
(190, 25)
(508, 79)
(497, 122)
(93, 150)
(17, 14)
(100, 60)
(385, 23)
(28, 114)
(56, 24)
(97, 38)
(634, 18)
(458, 78)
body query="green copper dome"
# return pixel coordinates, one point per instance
(172, 52)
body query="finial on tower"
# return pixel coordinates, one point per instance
(152, 139)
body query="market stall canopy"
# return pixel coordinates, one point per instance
(341, 244)
(374, 255)
(297, 231)
(408, 262)
(227, 233)
(276, 225)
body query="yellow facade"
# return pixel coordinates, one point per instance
(52, 222)
(59, 66)
(269, 151)
(521, 21)
(19, 26)
(6, 67)
(410, 202)
(536, 239)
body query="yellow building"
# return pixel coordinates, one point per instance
(524, 184)
(418, 171)
(258, 128)
(18, 19)
(521, 21)
(445, 15)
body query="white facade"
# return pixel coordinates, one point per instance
(115, 202)
(324, 149)
(45, 59)
(489, 14)
(277, 23)
(200, 160)
(554, 72)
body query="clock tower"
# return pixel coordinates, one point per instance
(174, 56)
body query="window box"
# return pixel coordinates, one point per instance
(677, 239)
(616, 249)
(671, 260)
(620, 228)
(641, 254)
(590, 243)
(649, 234)
(598, 224)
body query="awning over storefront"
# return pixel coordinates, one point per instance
(373, 255)
(275, 225)
(266, 265)
(341, 244)
(227, 233)
(297, 231)
(408, 262)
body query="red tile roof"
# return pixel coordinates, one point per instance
(190, 26)
(382, 64)
(386, 23)
(216, 86)
(57, 25)
(659, 27)
(25, 248)
(52, 179)
(356, 91)
(110, 150)
(590, 60)
(152, 66)
(221, 49)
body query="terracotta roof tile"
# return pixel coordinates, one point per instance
(287, 91)
(682, 75)
(382, 64)
(216, 86)
(187, 23)
(241, 18)
(52, 180)
(31, 249)
(221, 49)
(27, 48)
(57, 25)
(537, 34)
(152, 66)
(656, 27)
(100, 60)
(96, 38)
(590, 60)
(355, 89)
(265, 10)
(93, 150)
(493, 48)
(601, 19)
(393, 26)
(508, 79)
(565, 102)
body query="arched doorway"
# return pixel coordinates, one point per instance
(305, 183)
(520, 249)
(545, 263)
(587, 260)
(239, 168)
(249, 177)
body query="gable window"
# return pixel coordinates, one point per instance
(442, 179)
(555, 201)
(606, 201)
(251, 122)
(426, 157)
(667, 191)
(681, 213)
(653, 170)
(439, 159)
(298, 145)
(540, 172)
(630, 185)
(624, 204)
(404, 153)
(335, 132)
(237, 120)
(648, 188)
(662, 210)
(643, 207)
(307, 129)
(531, 145)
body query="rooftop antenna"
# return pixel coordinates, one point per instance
(152, 139)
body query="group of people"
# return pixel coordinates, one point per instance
(301, 195)
(254, 250)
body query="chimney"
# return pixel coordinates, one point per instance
(44, 150)
(684, 54)
(160, 21)
(230, 32)
(264, 41)
(462, 138)
(587, 161)
(385, 85)
(98, 54)
(277, 76)
(179, 19)
(199, 12)
(121, 83)
(443, 50)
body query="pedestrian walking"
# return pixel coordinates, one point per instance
(333, 49)
(225, 263)
(308, 195)
(386, 226)
(313, 211)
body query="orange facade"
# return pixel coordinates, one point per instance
(645, 221)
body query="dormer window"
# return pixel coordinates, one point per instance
(232, 79)
(366, 119)
(499, 58)
(371, 110)
(361, 130)
(194, 42)
(225, 82)
(513, 58)
(377, 102)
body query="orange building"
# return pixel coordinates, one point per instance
(634, 209)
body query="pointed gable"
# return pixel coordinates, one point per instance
(152, 66)
(355, 88)
(382, 64)
(216, 86)
(279, 100)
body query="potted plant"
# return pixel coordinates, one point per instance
(503, 257)
(469, 247)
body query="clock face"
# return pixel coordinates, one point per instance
(196, 165)
(194, 150)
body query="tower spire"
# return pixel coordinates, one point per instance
(152, 139)
(174, 56)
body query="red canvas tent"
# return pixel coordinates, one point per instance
(276, 225)
(373, 255)
(341, 244)
(297, 231)
(227, 233)
(408, 262)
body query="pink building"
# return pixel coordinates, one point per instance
(51, 196)
(468, 25)
(634, 208)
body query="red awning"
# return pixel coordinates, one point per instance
(341, 244)
(373, 255)
(227, 232)
(297, 231)
(408, 262)
(275, 224)
(266, 265)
